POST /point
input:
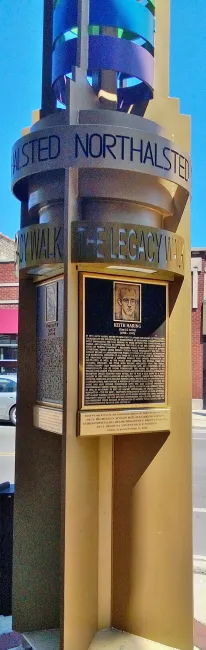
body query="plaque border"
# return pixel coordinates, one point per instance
(81, 374)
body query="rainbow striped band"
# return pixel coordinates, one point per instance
(129, 52)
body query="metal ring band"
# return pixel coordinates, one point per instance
(108, 53)
(129, 16)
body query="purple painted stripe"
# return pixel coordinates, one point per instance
(107, 53)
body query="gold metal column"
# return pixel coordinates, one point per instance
(106, 198)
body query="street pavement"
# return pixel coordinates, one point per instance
(7, 453)
(199, 491)
(199, 527)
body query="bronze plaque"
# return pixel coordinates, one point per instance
(123, 344)
(49, 341)
(100, 423)
(49, 419)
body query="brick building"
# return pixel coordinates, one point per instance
(198, 269)
(9, 289)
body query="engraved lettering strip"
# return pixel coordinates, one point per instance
(99, 423)
(99, 146)
(128, 244)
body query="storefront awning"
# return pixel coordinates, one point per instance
(8, 321)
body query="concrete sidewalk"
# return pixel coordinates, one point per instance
(199, 419)
(11, 641)
(200, 610)
(199, 422)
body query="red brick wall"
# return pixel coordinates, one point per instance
(9, 293)
(8, 275)
(7, 272)
(197, 338)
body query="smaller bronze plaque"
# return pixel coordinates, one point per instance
(49, 341)
(49, 419)
(99, 423)
(51, 302)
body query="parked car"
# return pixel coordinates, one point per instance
(8, 385)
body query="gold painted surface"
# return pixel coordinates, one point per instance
(101, 423)
(100, 183)
(105, 532)
(112, 639)
(47, 418)
(80, 478)
(162, 49)
(36, 114)
(49, 404)
(129, 271)
(42, 275)
(152, 514)
(81, 384)
(45, 281)
(133, 244)
(25, 131)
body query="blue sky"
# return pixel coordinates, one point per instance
(20, 77)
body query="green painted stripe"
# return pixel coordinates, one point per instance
(151, 6)
(94, 30)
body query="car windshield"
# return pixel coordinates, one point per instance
(7, 385)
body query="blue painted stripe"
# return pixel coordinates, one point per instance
(128, 15)
(64, 17)
(106, 53)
